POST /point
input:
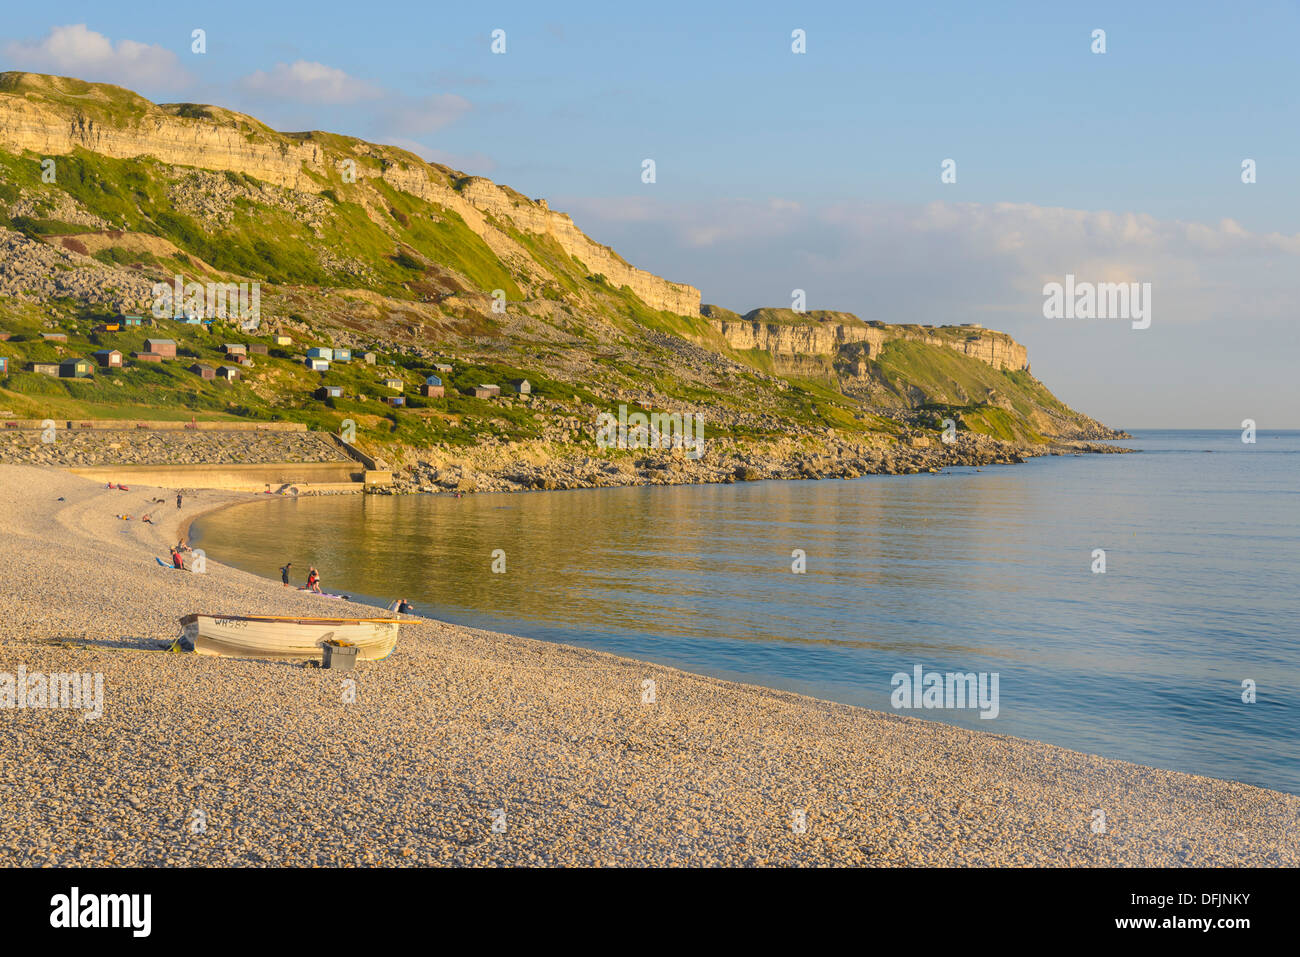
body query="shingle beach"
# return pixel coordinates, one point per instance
(473, 748)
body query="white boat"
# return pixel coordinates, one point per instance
(261, 636)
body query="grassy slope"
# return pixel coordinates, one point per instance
(410, 250)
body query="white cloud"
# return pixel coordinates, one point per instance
(937, 262)
(304, 81)
(78, 51)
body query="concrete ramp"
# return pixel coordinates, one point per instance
(318, 476)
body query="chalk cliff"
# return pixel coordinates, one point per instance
(53, 116)
(367, 246)
(784, 332)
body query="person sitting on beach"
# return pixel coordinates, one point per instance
(284, 573)
(404, 607)
(147, 517)
(177, 561)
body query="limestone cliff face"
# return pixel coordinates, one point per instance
(478, 198)
(40, 114)
(821, 339)
(787, 334)
(539, 219)
(50, 130)
(996, 348)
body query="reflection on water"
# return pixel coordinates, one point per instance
(984, 571)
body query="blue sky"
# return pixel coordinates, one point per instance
(820, 171)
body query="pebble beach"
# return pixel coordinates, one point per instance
(466, 747)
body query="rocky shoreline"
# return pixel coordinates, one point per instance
(535, 466)
(722, 463)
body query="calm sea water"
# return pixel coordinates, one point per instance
(971, 571)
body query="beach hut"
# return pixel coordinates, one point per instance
(317, 365)
(132, 321)
(432, 380)
(396, 401)
(442, 367)
(4, 364)
(235, 349)
(45, 368)
(229, 373)
(146, 357)
(330, 392)
(109, 358)
(54, 337)
(320, 352)
(76, 369)
(245, 361)
(523, 386)
(342, 355)
(258, 348)
(394, 383)
(432, 391)
(161, 347)
(203, 370)
(485, 390)
(284, 340)
(368, 358)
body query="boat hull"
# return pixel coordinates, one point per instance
(240, 636)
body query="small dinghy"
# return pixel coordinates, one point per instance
(258, 636)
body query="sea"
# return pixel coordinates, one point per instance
(1141, 606)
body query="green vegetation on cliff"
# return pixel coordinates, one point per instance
(397, 260)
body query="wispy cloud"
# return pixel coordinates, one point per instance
(304, 81)
(936, 262)
(390, 116)
(76, 50)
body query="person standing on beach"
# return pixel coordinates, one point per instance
(284, 573)
(178, 500)
(313, 579)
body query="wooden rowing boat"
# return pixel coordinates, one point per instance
(264, 636)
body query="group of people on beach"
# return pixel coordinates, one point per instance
(147, 517)
(313, 577)
(178, 560)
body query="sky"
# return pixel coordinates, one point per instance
(822, 170)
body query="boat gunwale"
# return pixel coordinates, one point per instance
(193, 618)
